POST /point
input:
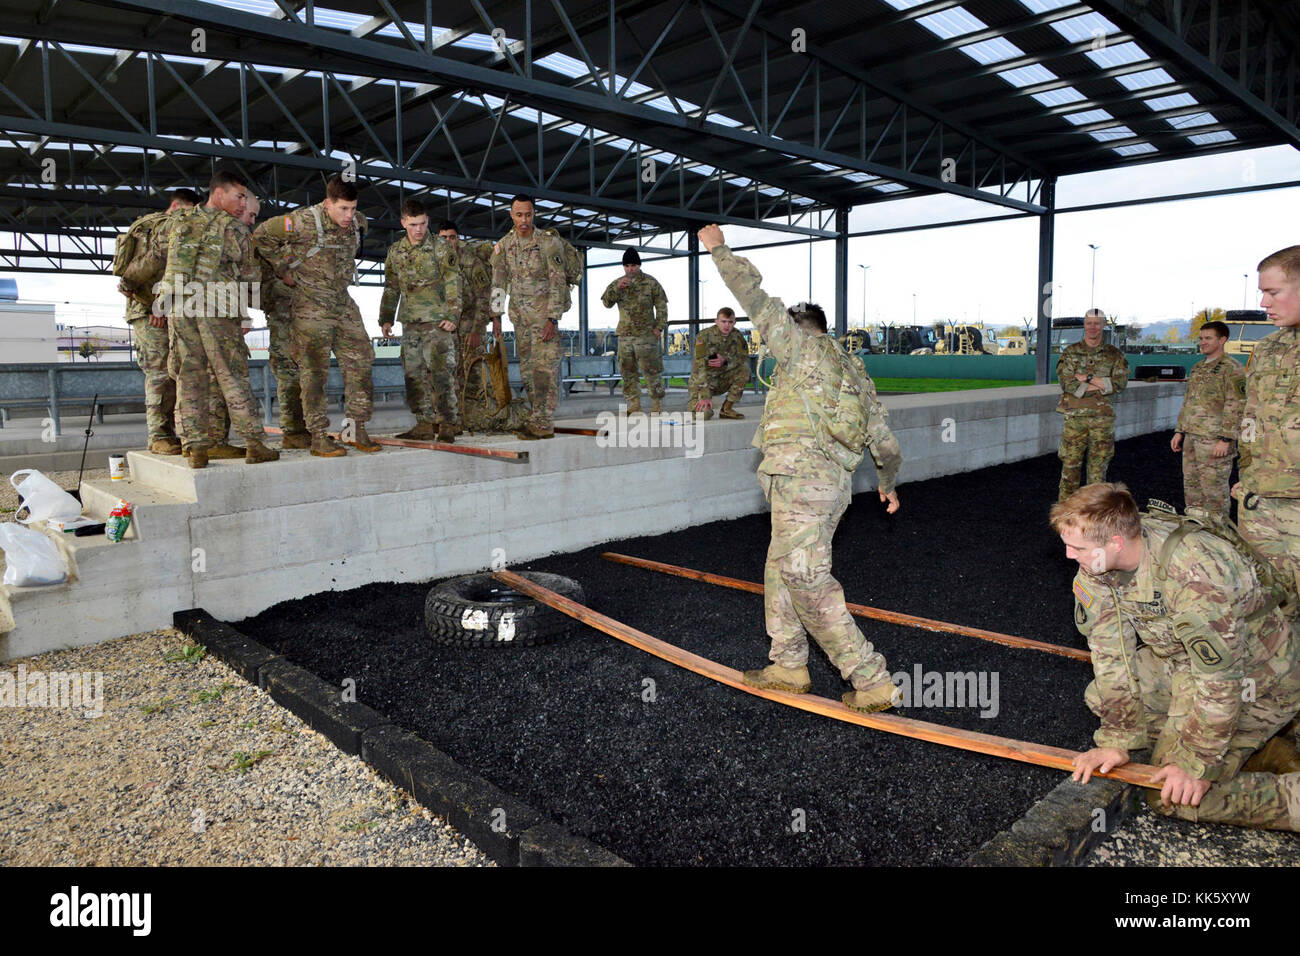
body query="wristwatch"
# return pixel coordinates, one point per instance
(1088, 381)
(554, 322)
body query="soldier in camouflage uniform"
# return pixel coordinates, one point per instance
(277, 305)
(528, 265)
(721, 365)
(1192, 657)
(208, 256)
(1091, 373)
(642, 318)
(1210, 422)
(149, 336)
(1269, 489)
(422, 271)
(809, 488)
(313, 250)
(479, 411)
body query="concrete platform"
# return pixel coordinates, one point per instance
(236, 538)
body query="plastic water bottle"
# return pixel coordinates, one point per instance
(119, 519)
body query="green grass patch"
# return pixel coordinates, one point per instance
(943, 384)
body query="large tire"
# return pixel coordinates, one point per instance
(479, 611)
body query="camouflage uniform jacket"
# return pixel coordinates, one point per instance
(1106, 363)
(733, 348)
(426, 277)
(531, 271)
(1192, 614)
(642, 305)
(808, 365)
(208, 245)
(1270, 463)
(474, 259)
(1212, 404)
(306, 245)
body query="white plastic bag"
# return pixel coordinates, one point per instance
(30, 558)
(43, 499)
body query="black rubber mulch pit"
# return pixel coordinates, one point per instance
(705, 774)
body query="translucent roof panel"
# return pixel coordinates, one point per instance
(1207, 139)
(955, 22)
(1121, 54)
(1042, 6)
(1193, 119)
(1059, 97)
(1026, 75)
(1135, 149)
(1086, 27)
(992, 51)
(1171, 102)
(1088, 116)
(1114, 132)
(1145, 79)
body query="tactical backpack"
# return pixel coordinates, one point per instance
(572, 259)
(131, 244)
(1281, 591)
(842, 427)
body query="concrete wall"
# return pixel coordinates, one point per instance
(236, 539)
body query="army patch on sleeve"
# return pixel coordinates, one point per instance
(1082, 594)
(1205, 647)
(1241, 387)
(559, 260)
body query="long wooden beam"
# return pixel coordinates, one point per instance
(860, 610)
(477, 451)
(1039, 754)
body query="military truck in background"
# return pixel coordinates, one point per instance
(1069, 329)
(1245, 328)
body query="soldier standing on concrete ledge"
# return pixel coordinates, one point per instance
(422, 271)
(1090, 373)
(528, 265)
(1193, 657)
(642, 318)
(1269, 489)
(721, 365)
(1210, 422)
(314, 251)
(149, 331)
(820, 415)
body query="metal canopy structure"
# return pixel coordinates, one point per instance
(631, 121)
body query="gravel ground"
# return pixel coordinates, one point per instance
(1150, 839)
(705, 774)
(157, 779)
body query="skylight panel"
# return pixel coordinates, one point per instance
(1042, 6)
(1193, 119)
(1120, 54)
(563, 64)
(955, 22)
(1059, 97)
(1114, 132)
(1027, 75)
(890, 188)
(1171, 102)
(1088, 116)
(1086, 27)
(1206, 139)
(992, 51)
(1136, 149)
(1145, 79)
(324, 17)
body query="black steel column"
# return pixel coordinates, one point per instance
(693, 288)
(582, 307)
(1046, 252)
(842, 272)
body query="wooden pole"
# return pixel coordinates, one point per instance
(860, 610)
(477, 451)
(589, 432)
(1038, 754)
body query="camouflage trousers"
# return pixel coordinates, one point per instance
(1272, 526)
(317, 332)
(539, 367)
(1093, 435)
(429, 366)
(151, 353)
(1205, 478)
(218, 412)
(478, 405)
(288, 392)
(200, 344)
(1264, 800)
(800, 595)
(719, 380)
(640, 355)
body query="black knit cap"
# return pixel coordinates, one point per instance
(631, 258)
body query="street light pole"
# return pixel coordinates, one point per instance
(1092, 292)
(864, 293)
(1245, 286)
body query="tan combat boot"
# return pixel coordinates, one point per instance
(164, 446)
(221, 451)
(1278, 756)
(322, 446)
(258, 453)
(447, 433)
(423, 431)
(656, 405)
(775, 677)
(295, 440)
(634, 404)
(361, 441)
(877, 697)
(198, 457)
(729, 411)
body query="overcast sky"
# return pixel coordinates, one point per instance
(1154, 262)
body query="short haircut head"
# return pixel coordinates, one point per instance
(809, 315)
(339, 188)
(448, 224)
(522, 198)
(1288, 260)
(1095, 313)
(185, 196)
(1098, 513)
(727, 311)
(1218, 328)
(225, 179)
(413, 209)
